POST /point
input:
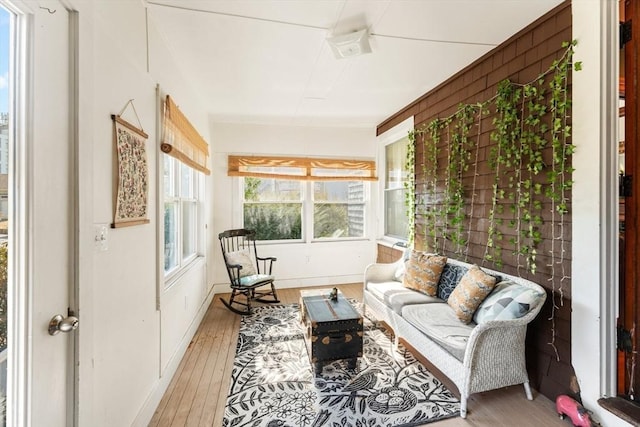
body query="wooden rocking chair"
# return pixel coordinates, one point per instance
(246, 270)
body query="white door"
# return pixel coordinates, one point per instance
(42, 225)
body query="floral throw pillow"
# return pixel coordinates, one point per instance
(422, 272)
(473, 288)
(244, 259)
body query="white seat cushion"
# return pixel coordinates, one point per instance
(396, 296)
(440, 323)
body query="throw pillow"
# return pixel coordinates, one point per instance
(422, 272)
(244, 259)
(473, 288)
(451, 275)
(507, 301)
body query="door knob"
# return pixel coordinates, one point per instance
(63, 324)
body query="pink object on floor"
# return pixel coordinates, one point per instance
(575, 411)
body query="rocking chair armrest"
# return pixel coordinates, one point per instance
(234, 272)
(238, 266)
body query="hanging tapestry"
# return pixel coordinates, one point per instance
(130, 207)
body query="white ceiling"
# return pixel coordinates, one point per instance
(268, 62)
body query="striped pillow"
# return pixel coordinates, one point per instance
(473, 288)
(422, 272)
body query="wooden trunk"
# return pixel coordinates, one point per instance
(333, 329)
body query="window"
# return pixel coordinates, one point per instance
(181, 214)
(338, 209)
(396, 174)
(302, 198)
(275, 208)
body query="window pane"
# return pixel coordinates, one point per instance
(271, 190)
(189, 211)
(396, 158)
(344, 215)
(396, 224)
(338, 191)
(170, 236)
(186, 181)
(169, 189)
(274, 221)
(334, 220)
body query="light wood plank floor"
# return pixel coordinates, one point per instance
(197, 394)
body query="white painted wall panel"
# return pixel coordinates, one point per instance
(595, 173)
(125, 366)
(126, 323)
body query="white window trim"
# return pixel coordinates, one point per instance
(169, 278)
(165, 281)
(19, 363)
(391, 136)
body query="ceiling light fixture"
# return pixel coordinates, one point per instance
(350, 45)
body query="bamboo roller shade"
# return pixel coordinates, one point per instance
(308, 169)
(181, 140)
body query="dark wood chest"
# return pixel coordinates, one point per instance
(333, 329)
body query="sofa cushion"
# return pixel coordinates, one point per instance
(440, 323)
(396, 296)
(449, 279)
(507, 301)
(242, 258)
(473, 288)
(423, 272)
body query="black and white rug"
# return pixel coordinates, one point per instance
(273, 383)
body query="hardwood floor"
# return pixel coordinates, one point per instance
(197, 394)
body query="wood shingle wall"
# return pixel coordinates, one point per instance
(521, 59)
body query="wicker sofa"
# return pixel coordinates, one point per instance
(476, 357)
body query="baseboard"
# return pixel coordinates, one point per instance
(223, 288)
(149, 407)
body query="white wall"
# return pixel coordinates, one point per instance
(299, 264)
(132, 336)
(594, 203)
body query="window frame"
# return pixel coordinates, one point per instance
(178, 199)
(365, 202)
(391, 136)
(303, 209)
(307, 213)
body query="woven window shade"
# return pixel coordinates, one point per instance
(300, 168)
(181, 140)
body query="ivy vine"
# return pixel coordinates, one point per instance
(409, 185)
(530, 164)
(431, 140)
(527, 118)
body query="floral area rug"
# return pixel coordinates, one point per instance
(273, 383)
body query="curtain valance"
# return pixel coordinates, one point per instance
(302, 168)
(181, 140)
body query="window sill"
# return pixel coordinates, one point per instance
(622, 408)
(392, 243)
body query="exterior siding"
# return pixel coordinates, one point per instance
(521, 59)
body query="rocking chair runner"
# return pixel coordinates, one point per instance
(247, 271)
